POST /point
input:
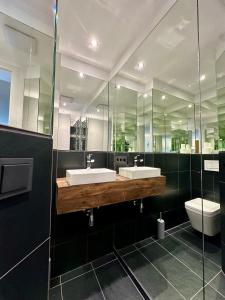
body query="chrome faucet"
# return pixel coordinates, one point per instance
(90, 160)
(137, 159)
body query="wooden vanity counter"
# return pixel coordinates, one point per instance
(71, 198)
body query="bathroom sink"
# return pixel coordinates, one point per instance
(139, 172)
(86, 176)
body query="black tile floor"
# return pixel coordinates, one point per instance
(166, 269)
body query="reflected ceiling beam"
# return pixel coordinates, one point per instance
(136, 44)
(86, 68)
(172, 90)
(141, 38)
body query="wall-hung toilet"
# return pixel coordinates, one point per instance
(211, 214)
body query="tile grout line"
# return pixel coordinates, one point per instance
(205, 285)
(161, 274)
(61, 291)
(98, 282)
(209, 259)
(180, 261)
(75, 277)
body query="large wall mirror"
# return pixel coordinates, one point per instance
(26, 70)
(81, 110)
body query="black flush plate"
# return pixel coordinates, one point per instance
(15, 176)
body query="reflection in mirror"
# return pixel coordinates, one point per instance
(81, 113)
(166, 65)
(173, 123)
(26, 63)
(212, 75)
(130, 112)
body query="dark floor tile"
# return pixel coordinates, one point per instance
(186, 224)
(144, 242)
(219, 283)
(190, 258)
(115, 283)
(208, 294)
(54, 282)
(103, 260)
(194, 240)
(55, 293)
(83, 287)
(174, 229)
(126, 250)
(173, 270)
(76, 272)
(153, 282)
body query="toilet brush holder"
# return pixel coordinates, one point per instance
(161, 228)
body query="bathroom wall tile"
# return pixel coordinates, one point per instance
(55, 293)
(25, 219)
(100, 242)
(195, 162)
(110, 160)
(196, 180)
(149, 159)
(29, 280)
(69, 255)
(172, 180)
(172, 162)
(99, 157)
(223, 256)
(184, 162)
(160, 161)
(70, 160)
(222, 166)
(208, 180)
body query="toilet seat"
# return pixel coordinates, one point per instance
(210, 208)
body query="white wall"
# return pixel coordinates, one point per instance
(97, 135)
(64, 132)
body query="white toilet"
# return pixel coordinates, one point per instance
(211, 213)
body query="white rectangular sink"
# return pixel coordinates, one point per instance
(86, 176)
(139, 172)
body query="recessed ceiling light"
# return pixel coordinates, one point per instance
(81, 75)
(180, 121)
(64, 103)
(163, 97)
(145, 95)
(118, 86)
(190, 105)
(140, 66)
(202, 77)
(93, 43)
(98, 110)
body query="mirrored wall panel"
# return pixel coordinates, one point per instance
(81, 111)
(26, 71)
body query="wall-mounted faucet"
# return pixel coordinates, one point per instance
(137, 159)
(90, 160)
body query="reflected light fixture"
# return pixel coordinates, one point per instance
(145, 95)
(98, 110)
(93, 43)
(64, 103)
(163, 97)
(81, 75)
(118, 86)
(140, 66)
(190, 105)
(202, 77)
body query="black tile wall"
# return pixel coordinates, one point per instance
(222, 203)
(25, 219)
(29, 280)
(75, 243)
(210, 180)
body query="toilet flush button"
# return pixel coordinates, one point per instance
(211, 165)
